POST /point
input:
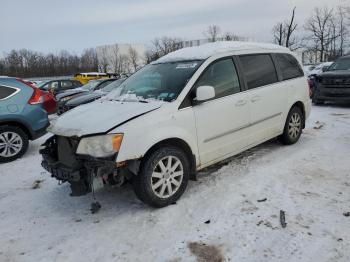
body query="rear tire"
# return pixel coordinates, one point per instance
(293, 126)
(163, 177)
(13, 143)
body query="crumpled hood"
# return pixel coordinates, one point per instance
(99, 117)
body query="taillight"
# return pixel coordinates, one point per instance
(36, 97)
(310, 87)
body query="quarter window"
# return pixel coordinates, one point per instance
(289, 66)
(258, 70)
(6, 91)
(221, 75)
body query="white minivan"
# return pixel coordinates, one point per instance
(189, 109)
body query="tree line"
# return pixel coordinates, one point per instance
(324, 36)
(28, 63)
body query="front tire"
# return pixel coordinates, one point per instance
(163, 177)
(13, 143)
(293, 126)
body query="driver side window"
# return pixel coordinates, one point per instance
(221, 75)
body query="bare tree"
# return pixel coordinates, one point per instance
(283, 32)
(103, 58)
(318, 25)
(133, 58)
(291, 27)
(343, 13)
(279, 34)
(89, 60)
(161, 47)
(212, 33)
(228, 36)
(114, 58)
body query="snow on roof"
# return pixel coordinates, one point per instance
(204, 51)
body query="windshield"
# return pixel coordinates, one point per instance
(340, 64)
(113, 85)
(90, 85)
(162, 81)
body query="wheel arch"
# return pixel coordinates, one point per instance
(179, 143)
(20, 125)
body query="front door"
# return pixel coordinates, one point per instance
(222, 121)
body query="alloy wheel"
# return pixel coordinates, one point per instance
(167, 177)
(10, 144)
(294, 126)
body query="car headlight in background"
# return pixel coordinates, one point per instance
(100, 146)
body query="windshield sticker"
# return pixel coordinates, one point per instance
(186, 66)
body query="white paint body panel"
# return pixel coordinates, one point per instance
(213, 120)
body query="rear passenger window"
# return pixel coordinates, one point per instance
(222, 76)
(6, 91)
(289, 66)
(259, 70)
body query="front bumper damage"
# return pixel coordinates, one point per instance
(60, 160)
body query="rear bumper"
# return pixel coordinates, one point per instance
(40, 132)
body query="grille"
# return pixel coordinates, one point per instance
(66, 148)
(336, 82)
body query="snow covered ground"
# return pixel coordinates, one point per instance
(218, 218)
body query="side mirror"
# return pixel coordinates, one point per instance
(204, 93)
(324, 69)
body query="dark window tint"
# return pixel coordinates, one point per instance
(6, 91)
(259, 70)
(66, 84)
(289, 66)
(222, 76)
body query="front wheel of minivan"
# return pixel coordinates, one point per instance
(293, 126)
(163, 177)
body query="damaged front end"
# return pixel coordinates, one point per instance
(61, 160)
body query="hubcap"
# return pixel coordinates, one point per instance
(167, 177)
(10, 144)
(294, 126)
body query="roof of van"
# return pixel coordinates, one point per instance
(206, 50)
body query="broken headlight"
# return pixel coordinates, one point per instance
(100, 146)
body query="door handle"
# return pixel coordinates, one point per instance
(241, 102)
(255, 98)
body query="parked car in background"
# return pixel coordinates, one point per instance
(334, 84)
(322, 67)
(188, 110)
(93, 85)
(88, 97)
(59, 85)
(309, 68)
(23, 116)
(84, 78)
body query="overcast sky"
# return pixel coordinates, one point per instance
(48, 25)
